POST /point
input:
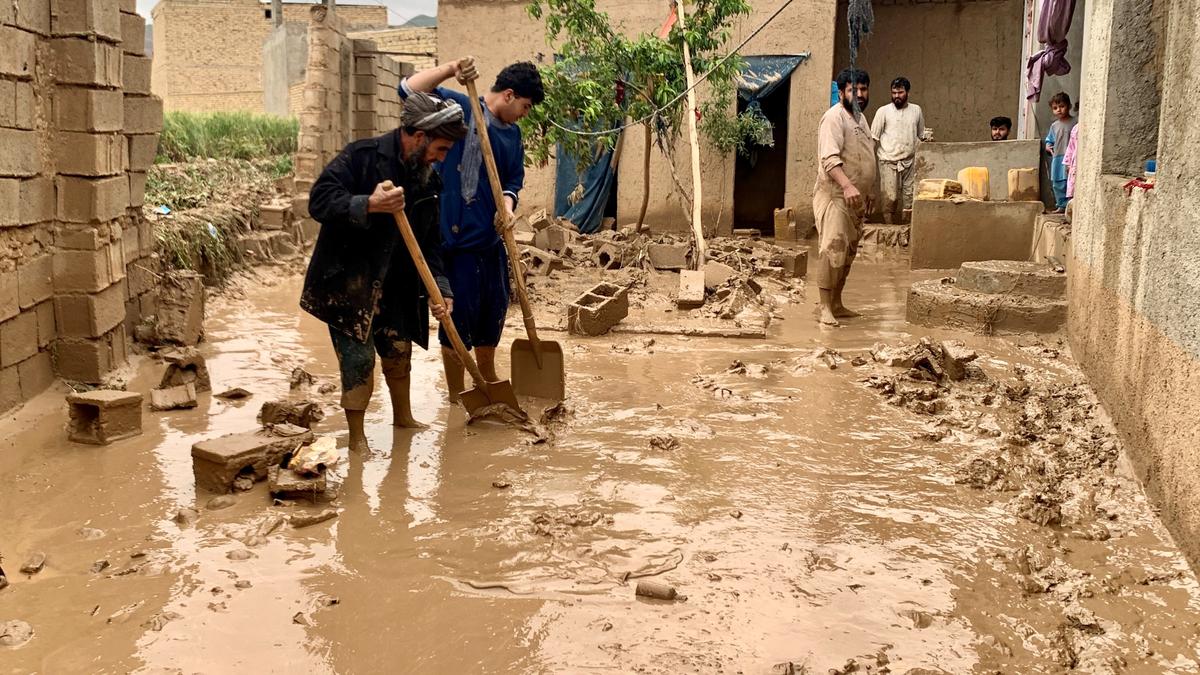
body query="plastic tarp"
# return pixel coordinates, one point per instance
(586, 210)
(762, 75)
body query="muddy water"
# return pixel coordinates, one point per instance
(801, 516)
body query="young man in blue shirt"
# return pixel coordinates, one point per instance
(475, 260)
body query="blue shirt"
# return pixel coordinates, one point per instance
(471, 226)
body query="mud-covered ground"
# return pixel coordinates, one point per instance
(824, 500)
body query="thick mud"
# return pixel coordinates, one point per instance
(816, 509)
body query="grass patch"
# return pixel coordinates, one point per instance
(189, 136)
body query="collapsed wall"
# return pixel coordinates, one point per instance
(78, 131)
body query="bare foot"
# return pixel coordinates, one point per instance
(827, 317)
(407, 422)
(842, 313)
(359, 443)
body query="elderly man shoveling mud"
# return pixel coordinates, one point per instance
(361, 279)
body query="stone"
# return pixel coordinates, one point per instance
(305, 520)
(610, 256)
(185, 517)
(300, 413)
(717, 274)
(217, 462)
(185, 366)
(34, 563)
(598, 309)
(103, 416)
(218, 503)
(669, 256)
(15, 633)
(287, 484)
(235, 394)
(173, 398)
(691, 289)
(539, 262)
(180, 308)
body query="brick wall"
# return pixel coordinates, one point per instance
(208, 53)
(78, 130)
(417, 46)
(349, 93)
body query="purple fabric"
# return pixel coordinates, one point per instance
(1053, 24)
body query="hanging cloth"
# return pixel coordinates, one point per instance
(1054, 22)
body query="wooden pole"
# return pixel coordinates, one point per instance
(690, 114)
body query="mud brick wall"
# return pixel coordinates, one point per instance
(208, 54)
(417, 46)
(349, 93)
(78, 130)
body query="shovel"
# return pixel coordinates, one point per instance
(485, 393)
(538, 368)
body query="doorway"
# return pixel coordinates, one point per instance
(760, 172)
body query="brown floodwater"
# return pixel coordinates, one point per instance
(804, 519)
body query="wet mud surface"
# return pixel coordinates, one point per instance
(815, 508)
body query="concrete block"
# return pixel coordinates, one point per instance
(609, 256)
(135, 71)
(80, 237)
(98, 18)
(133, 34)
(37, 200)
(81, 271)
(104, 416)
(142, 149)
(18, 339)
(36, 374)
(181, 308)
(143, 114)
(35, 280)
(539, 262)
(540, 220)
(939, 304)
(82, 360)
(82, 61)
(785, 225)
(1023, 185)
(47, 325)
(1012, 277)
(10, 388)
(691, 289)
(287, 484)
(185, 366)
(89, 315)
(946, 234)
(24, 105)
(137, 195)
(179, 397)
(33, 15)
(90, 200)
(10, 202)
(717, 274)
(217, 462)
(794, 264)
(91, 110)
(17, 57)
(274, 216)
(21, 156)
(523, 238)
(8, 100)
(669, 256)
(300, 413)
(598, 309)
(91, 154)
(10, 304)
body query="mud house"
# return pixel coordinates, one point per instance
(208, 54)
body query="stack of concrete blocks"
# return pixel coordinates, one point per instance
(376, 95)
(388, 73)
(70, 196)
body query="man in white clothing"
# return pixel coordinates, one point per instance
(898, 128)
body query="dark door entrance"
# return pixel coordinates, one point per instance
(760, 175)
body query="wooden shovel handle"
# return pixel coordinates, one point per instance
(435, 293)
(510, 240)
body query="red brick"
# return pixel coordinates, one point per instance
(17, 57)
(85, 200)
(9, 304)
(133, 33)
(10, 200)
(47, 326)
(79, 109)
(137, 193)
(35, 281)
(99, 18)
(82, 360)
(10, 388)
(37, 200)
(142, 148)
(37, 374)
(143, 114)
(18, 339)
(82, 61)
(90, 315)
(92, 154)
(136, 74)
(20, 156)
(81, 271)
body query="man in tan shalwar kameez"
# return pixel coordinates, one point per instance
(845, 190)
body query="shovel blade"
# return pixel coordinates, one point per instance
(480, 397)
(548, 381)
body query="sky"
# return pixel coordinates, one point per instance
(400, 10)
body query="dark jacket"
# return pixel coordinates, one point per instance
(360, 276)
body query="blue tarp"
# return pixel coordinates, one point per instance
(598, 181)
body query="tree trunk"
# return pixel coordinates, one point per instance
(645, 179)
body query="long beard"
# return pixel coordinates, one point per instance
(416, 167)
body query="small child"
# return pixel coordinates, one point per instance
(1056, 145)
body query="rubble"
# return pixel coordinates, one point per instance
(539, 262)
(717, 274)
(15, 633)
(34, 563)
(305, 520)
(609, 256)
(185, 366)
(300, 413)
(669, 256)
(235, 394)
(180, 317)
(104, 416)
(691, 289)
(173, 398)
(653, 589)
(217, 462)
(287, 484)
(598, 309)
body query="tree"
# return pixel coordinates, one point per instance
(600, 77)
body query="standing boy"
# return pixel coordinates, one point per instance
(898, 128)
(1056, 145)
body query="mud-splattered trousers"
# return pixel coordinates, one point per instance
(356, 360)
(842, 140)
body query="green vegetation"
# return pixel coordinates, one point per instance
(188, 136)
